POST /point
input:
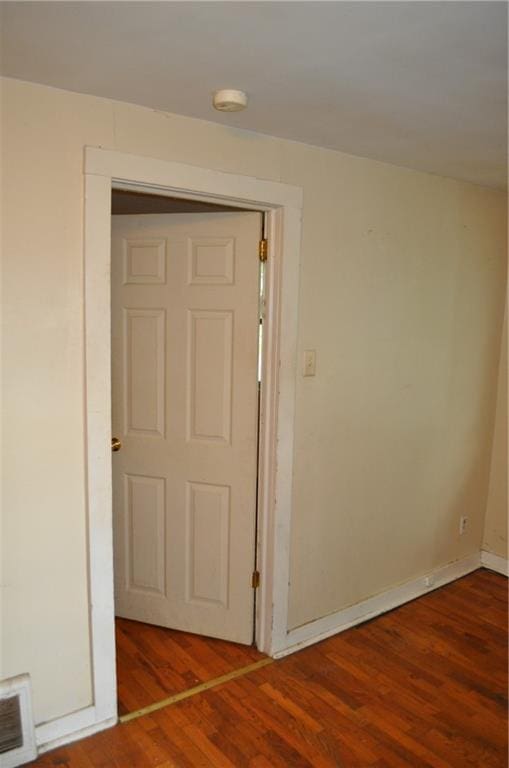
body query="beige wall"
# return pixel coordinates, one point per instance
(495, 527)
(401, 295)
(402, 289)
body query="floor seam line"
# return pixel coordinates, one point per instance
(176, 697)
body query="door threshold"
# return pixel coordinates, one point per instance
(195, 690)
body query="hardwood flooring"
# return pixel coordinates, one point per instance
(423, 685)
(154, 663)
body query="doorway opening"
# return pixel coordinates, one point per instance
(282, 205)
(187, 299)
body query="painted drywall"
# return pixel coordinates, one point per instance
(401, 296)
(402, 290)
(497, 511)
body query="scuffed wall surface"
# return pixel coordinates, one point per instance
(401, 295)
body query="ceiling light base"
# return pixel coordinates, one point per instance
(229, 100)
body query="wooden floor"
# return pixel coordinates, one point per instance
(154, 663)
(424, 685)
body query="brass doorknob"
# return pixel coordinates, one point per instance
(116, 445)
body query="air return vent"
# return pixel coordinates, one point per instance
(17, 737)
(11, 729)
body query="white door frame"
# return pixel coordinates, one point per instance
(105, 169)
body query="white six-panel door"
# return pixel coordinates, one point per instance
(185, 292)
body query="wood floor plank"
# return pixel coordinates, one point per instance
(423, 686)
(154, 663)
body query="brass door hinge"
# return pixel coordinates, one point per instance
(255, 579)
(263, 250)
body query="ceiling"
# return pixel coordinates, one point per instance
(418, 84)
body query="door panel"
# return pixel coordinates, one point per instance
(145, 525)
(144, 371)
(210, 355)
(184, 403)
(208, 556)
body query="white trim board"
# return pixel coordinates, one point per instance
(495, 562)
(311, 633)
(84, 722)
(70, 728)
(190, 181)
(282, 204)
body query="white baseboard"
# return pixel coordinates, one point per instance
(83, 723)
(495, 562)
(348, 617)
(69, 728)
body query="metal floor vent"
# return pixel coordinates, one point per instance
(17, 735)
(11, 729)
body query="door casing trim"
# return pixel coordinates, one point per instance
(104, 169)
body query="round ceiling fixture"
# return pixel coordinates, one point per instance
(229, 100)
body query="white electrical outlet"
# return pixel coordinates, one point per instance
(463, 524)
